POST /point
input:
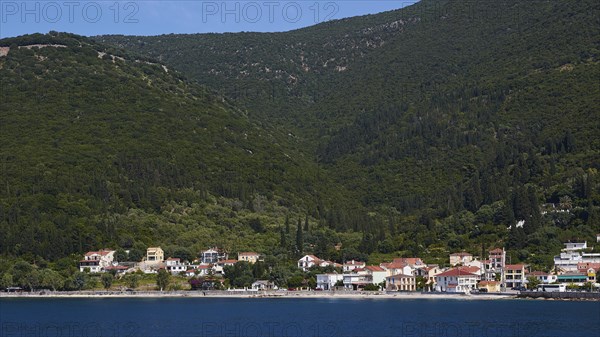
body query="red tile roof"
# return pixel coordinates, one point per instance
(496, 251)
(514, 266)
(374, 268)
(456, 272)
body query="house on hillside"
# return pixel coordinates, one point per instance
(213, 255)
(175, 266)
(250, 257)
(96, 261)
(154, 255)
(351, 265)
(461, 258)
(308, 261)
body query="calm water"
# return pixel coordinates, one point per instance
(296, 317)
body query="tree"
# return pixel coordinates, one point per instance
(299, 238)
(532, 282)
(132, 280)
(79, 280)
(121, 255)
(162, 279)
(306, 224)
(51, 279)
(136, 255)
(107, 280)
(6, 281)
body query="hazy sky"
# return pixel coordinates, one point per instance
(163, 17)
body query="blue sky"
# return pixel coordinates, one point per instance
(20, 17)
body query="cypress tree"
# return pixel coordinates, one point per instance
(299, 238)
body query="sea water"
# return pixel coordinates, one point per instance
(244, 317)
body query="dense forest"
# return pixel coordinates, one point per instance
(416, 132)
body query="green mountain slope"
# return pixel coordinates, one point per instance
(89, 132)
(407, 106)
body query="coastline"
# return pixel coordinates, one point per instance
(256, 294)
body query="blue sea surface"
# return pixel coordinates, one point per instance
(242, 317)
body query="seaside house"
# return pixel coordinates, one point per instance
(514, 275)
(96, 261)
(250, 257)
(356, 280)
(489, 286)
(401, 282)
(263, 285)
(154, 255)
(461, 258)
(543, 277)
(328, 281)
(376, 274)
(456, 280)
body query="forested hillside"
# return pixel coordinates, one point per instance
(415, 132)
(100, 148)
(440, 110)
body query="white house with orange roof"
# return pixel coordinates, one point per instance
(96, 261)
(308, 261)
(456, 280)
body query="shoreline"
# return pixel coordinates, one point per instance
(255, 294)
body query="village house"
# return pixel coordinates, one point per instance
(514, 275)
(154, 255)
(213, 255)
(351, 265)
(174, 266)
(219, 266)
(250, 257)
(543, 277)
(489, 286)
(397, 268)
(307, 261)
(461, 258)
(401, 282)
(357, 280)
(96, 261)
(456, 280)
(376, 274)
(428, 272)
(571, 256)
(263, 285)
(328, 281)
(497, 257)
